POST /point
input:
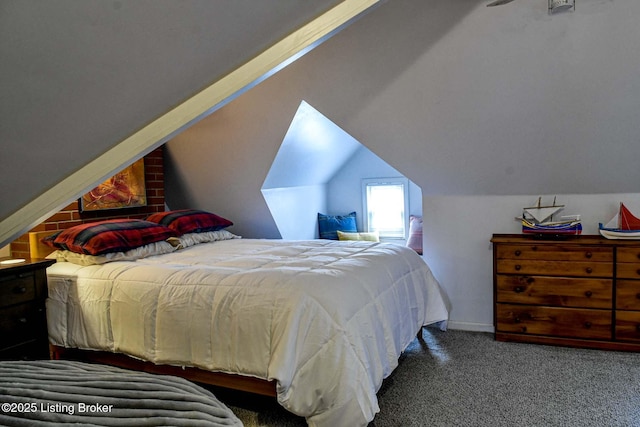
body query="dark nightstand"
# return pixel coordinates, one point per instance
(23, 321)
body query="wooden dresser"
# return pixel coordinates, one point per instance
(23, 323)
(581, 291)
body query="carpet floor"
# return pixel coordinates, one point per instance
(459, 378)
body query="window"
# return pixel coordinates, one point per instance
(386, 206)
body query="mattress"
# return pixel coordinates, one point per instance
(54, 392)
(326, 320)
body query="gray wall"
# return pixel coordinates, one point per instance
(78, 77)
(483, 108)
(295, 209)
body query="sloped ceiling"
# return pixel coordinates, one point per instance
(79, 77)
(312, 151)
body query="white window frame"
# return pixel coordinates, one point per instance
(386, 181)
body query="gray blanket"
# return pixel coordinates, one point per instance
(51, 392)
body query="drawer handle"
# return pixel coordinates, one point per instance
(588, 254)
(589, 270)
(516, 319)
(20, 290)
(587, 325)
(588, 294)
(519, 289)
(518, 267)
(526, 280)
(518, 252)
(523, 329)
(22, 320)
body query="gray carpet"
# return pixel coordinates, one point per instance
(458, 378)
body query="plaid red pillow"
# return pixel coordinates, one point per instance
(116, 235)
(190, 221)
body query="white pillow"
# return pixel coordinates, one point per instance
(191, 239)
(156, 248)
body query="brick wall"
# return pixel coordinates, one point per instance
(71, 215)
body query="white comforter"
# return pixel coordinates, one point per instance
(327, 320)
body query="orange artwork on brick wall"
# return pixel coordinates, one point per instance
(126, 189)
(72, 215)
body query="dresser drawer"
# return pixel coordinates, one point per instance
(628, 263)
(555, 252)
(17, 288)
(628, 294)
(627, 326)
(628, 255)
(555, 291)
(627, 270)
(554, 321)
(21, 323)
(554, 268)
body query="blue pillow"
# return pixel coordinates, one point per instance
(328, 225)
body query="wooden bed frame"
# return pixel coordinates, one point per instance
(220, 379)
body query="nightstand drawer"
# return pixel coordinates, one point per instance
(554, 291)
(17, 288)
(553, 321)
(23, 320)
(21, 323)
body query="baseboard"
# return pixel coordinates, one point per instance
(470, 326)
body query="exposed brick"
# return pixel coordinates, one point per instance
(70, 215)
(59, 217)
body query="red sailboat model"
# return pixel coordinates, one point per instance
(624, 225)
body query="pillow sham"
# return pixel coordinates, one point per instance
(191, 239)
(328, 225)
(185, 221)
(415, 233)
(155, 248)
(370, 236)
(115, 235)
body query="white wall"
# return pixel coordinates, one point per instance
(295, 209)
(457, 234)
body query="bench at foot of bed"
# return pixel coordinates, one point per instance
(55, 392)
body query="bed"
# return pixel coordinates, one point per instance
(317, 323)
(54, 392)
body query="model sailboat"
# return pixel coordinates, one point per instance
(539, 220)
(624, 225)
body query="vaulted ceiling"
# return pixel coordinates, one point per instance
(86, 87)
